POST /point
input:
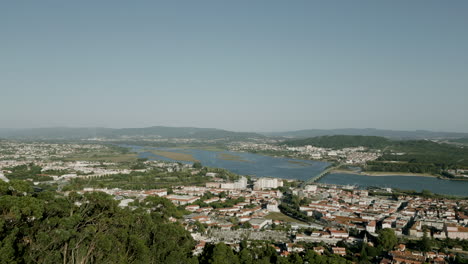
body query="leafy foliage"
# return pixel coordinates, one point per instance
(30, 171)
(50, 228)
(442, 156)
(387, 238)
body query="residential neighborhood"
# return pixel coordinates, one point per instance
(357, 155)
(291, 217)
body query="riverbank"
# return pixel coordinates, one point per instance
(383, 173)
(363, 173)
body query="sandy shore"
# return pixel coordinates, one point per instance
(383, 173)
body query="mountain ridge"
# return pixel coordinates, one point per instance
(212, 133)
(394, 134)
(97, 132)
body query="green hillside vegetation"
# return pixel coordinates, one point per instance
(413, 156)
(49, 228)
(341, 141)
(25, 172)
(421, 156)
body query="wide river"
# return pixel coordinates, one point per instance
(266, 166)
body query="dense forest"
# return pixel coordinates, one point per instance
(31, 171)
(47, 227)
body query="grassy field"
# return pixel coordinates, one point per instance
(227, 156)
(103, 156)
(144, 181)
(282, 217)
(174, 155)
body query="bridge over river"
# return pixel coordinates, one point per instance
(319, 176)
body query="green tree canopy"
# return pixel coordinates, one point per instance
(387, 238)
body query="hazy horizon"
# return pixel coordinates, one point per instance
(234, 130)
(263, 66)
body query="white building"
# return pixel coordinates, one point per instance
(260, 223)
(267, 183)
(227, 185)
(238, 185)
(370, 227)
(454, 231)
(182, 199)
(273, 206)
(311, 188)
(241, 183)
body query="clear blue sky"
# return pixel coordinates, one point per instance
(238, 65)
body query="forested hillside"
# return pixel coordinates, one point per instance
(50, 228)
(421, 156)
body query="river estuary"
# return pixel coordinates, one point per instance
(279, 167)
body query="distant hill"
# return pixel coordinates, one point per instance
(52, 133)
(156, 131)
(341, 141)
(68, 133)
(394, 134)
